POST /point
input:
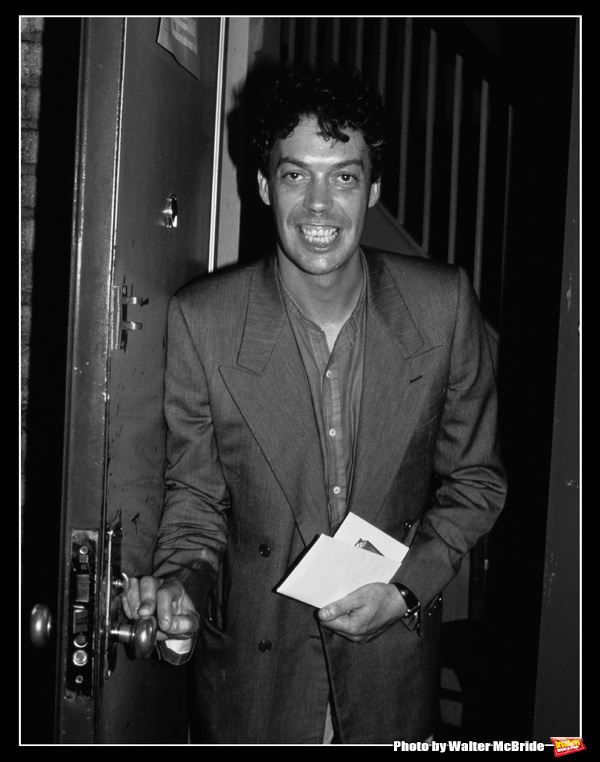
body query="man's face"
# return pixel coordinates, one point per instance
(319, 191)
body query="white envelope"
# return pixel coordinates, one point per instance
(335, 566)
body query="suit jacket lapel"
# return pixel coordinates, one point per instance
(399, 362)
(270, 388)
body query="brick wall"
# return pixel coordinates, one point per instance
(31, 73)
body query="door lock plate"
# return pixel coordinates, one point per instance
(83, 593)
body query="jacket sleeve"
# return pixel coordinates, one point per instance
(193, 528)
(467, 468)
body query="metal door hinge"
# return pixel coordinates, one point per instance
(123, 299)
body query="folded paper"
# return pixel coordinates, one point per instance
(358, 554)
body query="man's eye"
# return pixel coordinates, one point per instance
(347, 179)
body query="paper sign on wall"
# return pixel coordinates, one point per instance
(179, 35)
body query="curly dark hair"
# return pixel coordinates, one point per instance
(340, 100)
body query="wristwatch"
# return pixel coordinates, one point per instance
(410, 599)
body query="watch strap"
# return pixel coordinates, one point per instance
(412, 602)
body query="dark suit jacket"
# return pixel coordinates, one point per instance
(246, 495)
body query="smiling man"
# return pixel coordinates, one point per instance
(320, 189)
(325, 378)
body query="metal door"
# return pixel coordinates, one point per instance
(142, 228)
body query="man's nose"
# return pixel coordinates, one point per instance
(319, 197)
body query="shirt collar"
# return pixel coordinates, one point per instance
(353, 321)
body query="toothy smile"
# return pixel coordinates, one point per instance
(319, 234)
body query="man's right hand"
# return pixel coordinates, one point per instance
(166, 600)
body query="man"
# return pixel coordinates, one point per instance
(325, 379)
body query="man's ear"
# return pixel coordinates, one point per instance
(263, 188)
(374, 193)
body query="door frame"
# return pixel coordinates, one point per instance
(86, 418)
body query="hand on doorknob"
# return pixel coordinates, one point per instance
(167, 600)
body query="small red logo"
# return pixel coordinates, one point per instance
(566, 745)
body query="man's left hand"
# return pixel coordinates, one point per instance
(364, 614)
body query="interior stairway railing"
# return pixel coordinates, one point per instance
(447, 178)
(446, 186)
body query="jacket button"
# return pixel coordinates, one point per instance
(264, 550)
(407, 525)
(264, 646)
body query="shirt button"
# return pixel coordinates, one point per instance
(328, 374)
(331, 432)
(264, 550)
(336, 490)
(265, 646)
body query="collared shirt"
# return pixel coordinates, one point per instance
(335, 381)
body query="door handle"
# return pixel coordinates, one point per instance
(91, 645)
(40, 625)
(140, 635)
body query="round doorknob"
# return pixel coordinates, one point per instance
(40, 625)
(139, 636)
